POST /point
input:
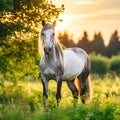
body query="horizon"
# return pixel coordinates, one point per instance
(89, 15)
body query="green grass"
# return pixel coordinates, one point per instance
(23, 101)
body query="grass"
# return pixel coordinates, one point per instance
(23, 101)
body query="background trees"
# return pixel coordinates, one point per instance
(84, 42)
(95, 45)
(66, 39)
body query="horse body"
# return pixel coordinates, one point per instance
(71, 67)
(63, 65)
(73, 64)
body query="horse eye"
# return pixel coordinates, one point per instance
(42, 33)
(53, 34)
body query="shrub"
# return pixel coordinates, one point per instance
(99, 64)
(115, 65)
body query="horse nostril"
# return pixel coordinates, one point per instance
(44, 49)
(47, 49)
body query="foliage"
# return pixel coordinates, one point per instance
(19, 23)
(23, 101)
(102, 65)
(115, 64)
(19, 57)
(25, 15)
(99, 64)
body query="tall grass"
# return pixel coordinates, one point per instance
(23, 101)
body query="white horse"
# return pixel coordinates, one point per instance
(63, 65)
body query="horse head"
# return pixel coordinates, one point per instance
(48, 36)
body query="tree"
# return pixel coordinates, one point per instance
(26, 15)
(114, 44)
(84, 42)
(97, 45)
(66, 39)
(19, 23)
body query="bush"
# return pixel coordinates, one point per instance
(99, 64)
(19, 57)
(115, 65)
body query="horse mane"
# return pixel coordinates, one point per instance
(59, 54)
(58, 50)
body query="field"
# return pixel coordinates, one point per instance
(23, 101)
(21, 91)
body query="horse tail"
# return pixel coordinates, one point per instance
(89, 89)
(78, 86)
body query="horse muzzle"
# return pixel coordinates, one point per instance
(47, 50)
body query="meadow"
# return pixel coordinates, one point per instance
(20, 89)
(22, 100)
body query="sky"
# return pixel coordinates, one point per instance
(91, 15)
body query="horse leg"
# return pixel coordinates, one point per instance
(73, 88)
(85, 85)
(45, 89)
(58, 93)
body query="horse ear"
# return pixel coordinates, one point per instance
(54, 24)
(43, 22)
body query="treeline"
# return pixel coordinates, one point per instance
(96, 45)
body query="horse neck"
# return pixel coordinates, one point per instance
(58, 51)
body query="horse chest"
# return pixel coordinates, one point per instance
(48, 69)
(49, 73)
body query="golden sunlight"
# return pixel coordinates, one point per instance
(61, 24)
(90, 15)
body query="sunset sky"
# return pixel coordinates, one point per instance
(91, 15)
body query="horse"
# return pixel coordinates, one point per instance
(63, 65)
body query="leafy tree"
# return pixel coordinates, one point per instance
(25, 15)
(5, 5)
(19, 58)
(19, 23)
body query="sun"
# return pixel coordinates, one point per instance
(61, 24)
